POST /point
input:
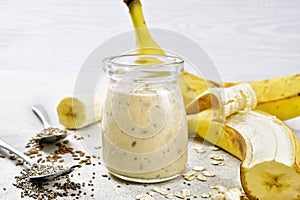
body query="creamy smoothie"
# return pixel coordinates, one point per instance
(144, 132)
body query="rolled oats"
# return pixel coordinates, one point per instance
(208, 174)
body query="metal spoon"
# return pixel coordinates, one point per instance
(31, 163)
(48, 134)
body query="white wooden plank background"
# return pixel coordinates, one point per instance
(239, 35)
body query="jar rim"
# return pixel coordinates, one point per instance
(127, 66)
(110, 60)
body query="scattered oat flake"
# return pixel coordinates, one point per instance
(208, 174)
(190, 175)
(216, 162)
(179, 195)
(216, 157)
(198, 168)
(205, 195)
(214, 148)
(169, 196)
(219, 192)
(186, 192)
(198, 149)
(161, 191)
(144, 197)
(201, 177)
(189, 178)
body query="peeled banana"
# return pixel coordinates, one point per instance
(269, 150)
(75, 113)
(232, 99)
(277, 96)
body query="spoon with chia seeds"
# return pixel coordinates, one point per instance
(48, 134)
(40, 172)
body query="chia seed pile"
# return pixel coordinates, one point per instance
(61, 187)
(37, 169)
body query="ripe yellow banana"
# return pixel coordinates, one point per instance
(275, 88)
(277, 96)
(284, 108)
(75, 113)
(145, 44)
(269, 150)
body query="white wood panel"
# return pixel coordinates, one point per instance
(240, 36)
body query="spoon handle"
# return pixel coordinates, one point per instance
(41, 112)
(17, 152)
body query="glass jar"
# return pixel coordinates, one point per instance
(144, 129)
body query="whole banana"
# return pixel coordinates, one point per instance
(277, 96)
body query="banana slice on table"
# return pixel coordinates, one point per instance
(78, 112)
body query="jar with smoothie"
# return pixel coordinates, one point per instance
(144, 130)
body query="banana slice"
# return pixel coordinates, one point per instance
(75, 113)
(270, 169)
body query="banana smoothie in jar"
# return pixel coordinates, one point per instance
(144, 129)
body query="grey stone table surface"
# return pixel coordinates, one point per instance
(22, 89)
(19, 124)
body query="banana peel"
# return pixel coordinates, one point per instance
(268, 149)
(215, 132)
(270, 168)
(191, 86)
